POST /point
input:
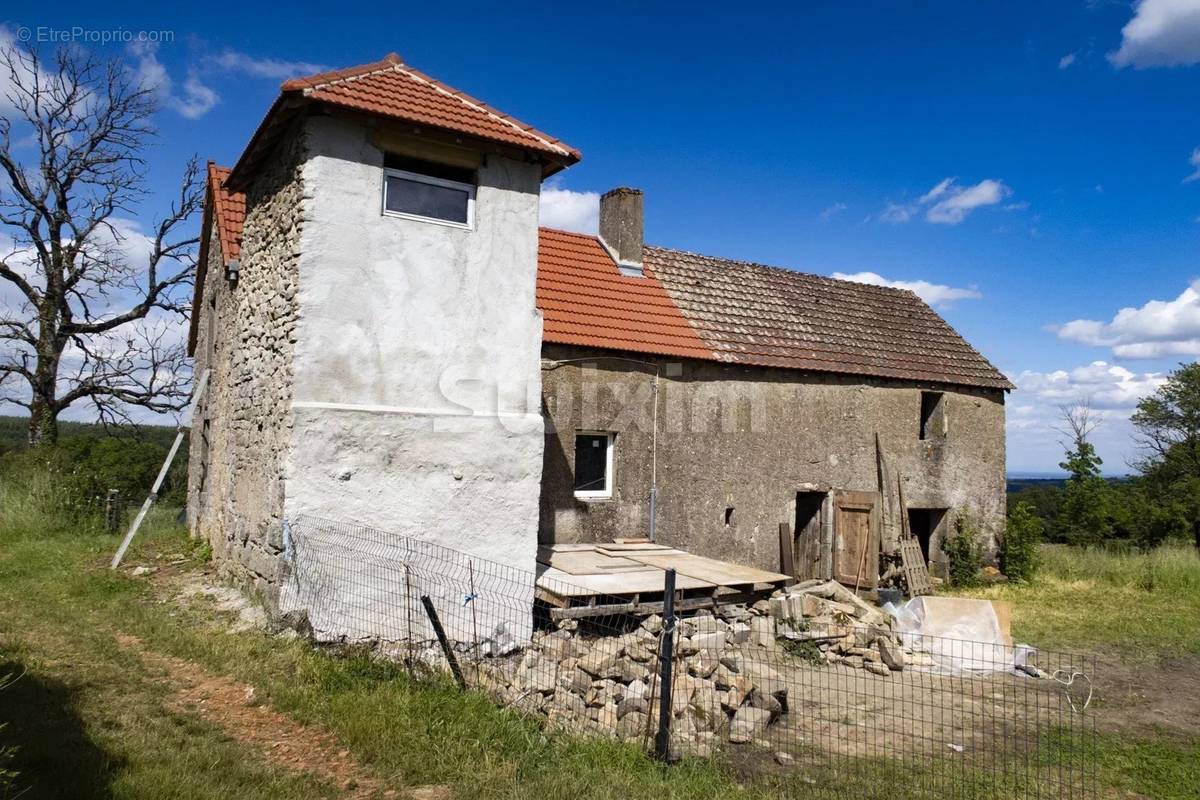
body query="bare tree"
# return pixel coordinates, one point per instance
(82, 318)
(1078, 424)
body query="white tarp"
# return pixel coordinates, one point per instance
(960, 634)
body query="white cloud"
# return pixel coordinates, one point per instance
(269, 68)
(1157, 329)
(948, 203)
(1108, 387)
(1194, 160)
(569, 211)
(1066, 61)
(9, 44)
(937, 191)
(935, 294)
(195, 100)
(832, 211)
(1034, 416)
(954, 209)
(897, 212)
(1162, 33)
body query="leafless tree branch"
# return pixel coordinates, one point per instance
(80, 335)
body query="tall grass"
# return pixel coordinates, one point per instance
(1170, 568)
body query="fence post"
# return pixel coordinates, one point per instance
(112, 510)
(662, 742)
(445, 643)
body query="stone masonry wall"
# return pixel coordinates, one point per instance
(748, 439)
(236, 493)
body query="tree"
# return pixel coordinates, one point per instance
(91, 321)
(1168, 425)
(1085, 517)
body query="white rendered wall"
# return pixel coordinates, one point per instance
(416, 368)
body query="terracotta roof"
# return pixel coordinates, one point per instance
(752, 314)
(694, 306)
(226, 210)
(585, 301)
(229, 211)
(393, 89)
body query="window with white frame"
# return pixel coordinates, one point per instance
(593, 464)
(424, 190)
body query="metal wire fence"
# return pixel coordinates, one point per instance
(804, 706)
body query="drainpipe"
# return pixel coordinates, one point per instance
(654, 465)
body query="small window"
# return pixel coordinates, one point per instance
(933, 415)
(593, 465)
(429, 192)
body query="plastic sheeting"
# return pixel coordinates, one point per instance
(959, 634)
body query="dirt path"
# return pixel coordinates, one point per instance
(234, 707)
(1139, 698)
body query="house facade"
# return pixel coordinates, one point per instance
(392, 341)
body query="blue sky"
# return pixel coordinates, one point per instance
(1028, 162)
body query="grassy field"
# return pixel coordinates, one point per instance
(1142, 606)
(94, 719)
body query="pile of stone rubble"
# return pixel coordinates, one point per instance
(732, 667)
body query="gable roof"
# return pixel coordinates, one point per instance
(390, 88)
(714, 309)
(393, 89)
(768, 316)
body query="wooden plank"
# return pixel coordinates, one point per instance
(591, 563)
(618, 547)
(566, 585)
(652, 607)
(720, 573)
(916, 571)
(787, 563)
(890, 524)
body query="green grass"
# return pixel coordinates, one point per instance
(1139, 605)
(90, 722)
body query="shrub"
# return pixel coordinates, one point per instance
(72, 479)
(1019, 548)
(963, 551)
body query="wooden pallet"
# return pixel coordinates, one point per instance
(916, 571)
(627, 578)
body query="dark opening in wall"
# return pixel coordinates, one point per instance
(728, 516)
(925, 524)
(933, 415)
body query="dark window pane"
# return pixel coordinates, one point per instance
(413, 197)
(591, 462)
(431, 168)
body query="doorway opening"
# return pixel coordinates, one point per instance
(925, 524)
(806, 541)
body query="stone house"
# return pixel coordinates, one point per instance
(392, 340)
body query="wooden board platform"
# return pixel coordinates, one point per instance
(607, 578)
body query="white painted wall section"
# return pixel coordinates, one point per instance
(417, 381)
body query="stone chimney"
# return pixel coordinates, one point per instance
(621, 226)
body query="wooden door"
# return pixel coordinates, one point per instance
(856, 539)
(807, 544)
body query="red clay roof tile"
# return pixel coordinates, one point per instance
(391, 88)
(229, 212)
(767, 316)
(694, 306)
(586, 301)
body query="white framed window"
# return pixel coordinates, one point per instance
(429, 198)
(594, 464)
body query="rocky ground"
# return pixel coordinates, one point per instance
(815, 667)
